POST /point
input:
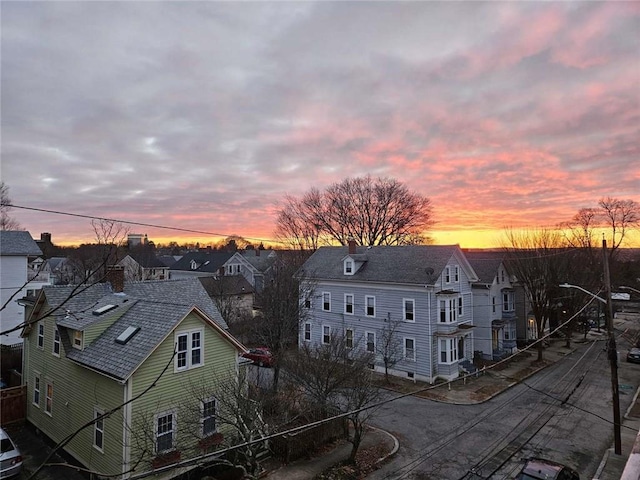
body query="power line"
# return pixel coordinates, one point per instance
(141, 224)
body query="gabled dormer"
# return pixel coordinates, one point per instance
(353, 261)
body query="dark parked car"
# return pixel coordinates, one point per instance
(541, 469)
(261, 356)
(10, 458)
(634, 355)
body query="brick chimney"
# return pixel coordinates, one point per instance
(352, 247)
(115, 276)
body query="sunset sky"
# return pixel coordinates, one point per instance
(203, 115)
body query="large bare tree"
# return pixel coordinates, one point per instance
(7, 222)
(380, 211)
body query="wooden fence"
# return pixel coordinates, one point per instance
(293, 446)
(13, 404)
(11, 363)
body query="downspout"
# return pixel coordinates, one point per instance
(126, 428)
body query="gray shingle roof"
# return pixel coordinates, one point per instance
(18, 243)
(154, 306)
(260, 262)
(147, 260)
(485, 264)
(414, 264)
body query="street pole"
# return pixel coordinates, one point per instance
(612, 353)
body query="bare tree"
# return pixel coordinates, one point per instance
(534, 257)
(277, 326)
(371, 211)
(389, 346)
(6, 221)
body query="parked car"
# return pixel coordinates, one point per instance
(260, 356)
(10, 458)
(633, 355)
(541, 469)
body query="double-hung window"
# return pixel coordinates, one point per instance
(208, 417)
(348, 338)
(448, 310)
(48, 404)
(326, 301)
(348, 267)
(40, 335)
(507, 302)
(370, 305)
(460, 307)
(98, 429)
(410, 349)
(307, 332)
(56, 341)
(326, 334)
(165, 432)
(36, 390)
(447, 274)
(371, 341)
(189, 351)
(348, 303)
(456, 273)
(77, 339)
(448, 350)
(409, 306)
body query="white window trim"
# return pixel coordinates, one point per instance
(75, 345)
(323, 334)
(36, 383)
(404, 309)
(56, 343)
(346, 337)
(366, 338)
(352, 312)
(349, 263)
(451, 347)
(366, 305)
(96, 413)
(202, 417)
(460, 307)
(404, 349)
(48, 400)
(447, 274)
(456, 273)
(40, 337)
(451, 310)
(328, 295)
(304, 332)
(189, 350)
(157, 417)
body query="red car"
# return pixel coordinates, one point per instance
(261, 356)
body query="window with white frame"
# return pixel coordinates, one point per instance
(98, 429)
(326, 334)
(370, 305)
(307, 302)
(447, 274)
(456, 273)
(348, 267)
(326, 301)
(460, 307)
(307, 332)
(165, 431)
(507, 302)
(409, 349)
(189, 352)
(408, 307)
(48, 401)
(371, 341)
(77, 339)
(448, 310)
(208, 416)
(40, 335)
(448, 348)
(36, 390)
(56, 341)
(348, 338)
(348, 303)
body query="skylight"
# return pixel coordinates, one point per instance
(127, 335)
(104, 309)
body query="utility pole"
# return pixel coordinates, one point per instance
(612, 352)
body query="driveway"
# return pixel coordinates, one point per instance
(35, 449)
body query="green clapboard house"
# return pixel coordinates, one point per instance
(151, 353)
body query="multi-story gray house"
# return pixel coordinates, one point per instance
(494, 305)
(422, 294)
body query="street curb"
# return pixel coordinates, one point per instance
(603, 463)
(394, 450)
